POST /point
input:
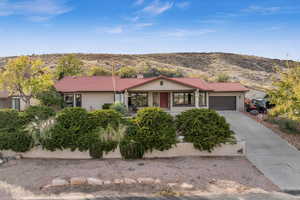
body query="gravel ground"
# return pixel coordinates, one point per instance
(28, 176)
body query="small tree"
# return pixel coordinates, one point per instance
(50, 97)
(222, 77)
(25, 77)
(99, 71)
(69, 65)
(286, 93)
(127, 72)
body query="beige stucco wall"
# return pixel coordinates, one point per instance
(155, 86)
(95, 100)
(180, 150)
(240, 98)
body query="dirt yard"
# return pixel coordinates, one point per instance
(28, 176)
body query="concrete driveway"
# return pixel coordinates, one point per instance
(273, 156)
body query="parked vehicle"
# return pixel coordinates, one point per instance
(258, 105)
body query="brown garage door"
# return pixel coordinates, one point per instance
(222, 102)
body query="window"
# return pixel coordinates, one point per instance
(78, 100)
(16, 103)
(73, 100)
(119, 97)
(69, 100)
(184, 99)
(138, 99)
(202, 99)
(161, 83)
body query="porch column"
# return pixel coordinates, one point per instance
(197, 98)
(207, 100)
(171, 100)
(126, 98)
(150, 99)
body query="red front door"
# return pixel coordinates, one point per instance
(164, 100)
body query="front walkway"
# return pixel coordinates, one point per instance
(273, 156)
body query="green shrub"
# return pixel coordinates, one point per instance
(37, 113)
(71, 125)
(106, 106)
(51, 98)
(102, 118)
(17, 141)
(119, 107)
(155, 129)
(96, 150)
(10, 120)
(288, 125)
(131, 149)
(205, 128)
(223, 77)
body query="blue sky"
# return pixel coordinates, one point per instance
(269, 28)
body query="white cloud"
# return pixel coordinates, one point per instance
(111, 30)
(37, 10)
(180, 33)
(139, 2)
(157, 7)
(263, 10)
(143, 25)
(183, 5)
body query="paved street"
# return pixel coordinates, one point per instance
(273, 156)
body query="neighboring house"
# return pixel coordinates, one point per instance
(7, 101)
(173, 94)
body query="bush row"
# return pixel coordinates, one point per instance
(103, 131)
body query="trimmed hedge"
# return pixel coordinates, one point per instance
(17, 141)
(75, 128)
(72, 124)
(205, 128)
(155, 129)
(10, 120)
(102, 118)
(36, 113)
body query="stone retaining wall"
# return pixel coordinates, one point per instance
(180, 150)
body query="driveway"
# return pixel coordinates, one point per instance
(273, 156)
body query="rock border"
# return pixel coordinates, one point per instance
(93, 181)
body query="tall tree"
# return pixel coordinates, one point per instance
(286, 93)
(69, 65)
(25, 77)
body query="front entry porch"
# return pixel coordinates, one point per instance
(173, 101)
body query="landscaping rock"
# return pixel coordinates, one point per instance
(107, 182)
(1, 161)
(186, 186)
(157, 181)
(95, 181)
(146, 180)
(118, 181)
(78, 181)
(59, 182)
(171, 185)
(129, 181)
(18, 157)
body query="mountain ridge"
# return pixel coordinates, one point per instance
(253, 71)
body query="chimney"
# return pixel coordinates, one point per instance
(140, 76)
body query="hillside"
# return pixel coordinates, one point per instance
(252, 71)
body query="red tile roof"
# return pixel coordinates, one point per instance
(108, 83)
(228, 87)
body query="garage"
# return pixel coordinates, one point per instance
(222, 102)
